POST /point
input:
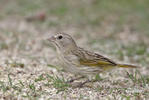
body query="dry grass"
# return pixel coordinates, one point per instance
(28, 63)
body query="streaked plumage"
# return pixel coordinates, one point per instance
(79, 61)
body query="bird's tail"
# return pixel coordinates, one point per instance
(127, 66)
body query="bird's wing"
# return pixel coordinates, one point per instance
(93, 59)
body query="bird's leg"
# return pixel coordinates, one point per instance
(82, 83)
(87, 81)
(72, 80)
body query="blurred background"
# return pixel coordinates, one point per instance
(118, 29)
(93, 14)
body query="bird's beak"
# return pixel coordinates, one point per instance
(51, 39)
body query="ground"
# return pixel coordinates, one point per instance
(117, 29)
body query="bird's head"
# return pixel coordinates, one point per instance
(63, 41)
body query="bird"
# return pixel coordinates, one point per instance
(79, 61)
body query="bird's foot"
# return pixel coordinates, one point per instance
(81, 84)
(74, 79)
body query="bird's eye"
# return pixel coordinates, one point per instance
(60, 37)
